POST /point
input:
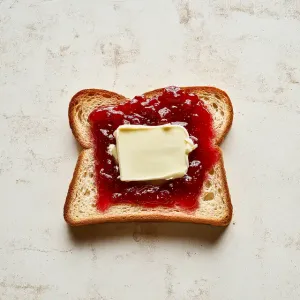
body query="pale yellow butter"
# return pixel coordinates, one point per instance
(152, 152)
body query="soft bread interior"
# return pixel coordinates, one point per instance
(80, 207)
(85, 101)
(82, 104)
(213, 206)
(217, 103)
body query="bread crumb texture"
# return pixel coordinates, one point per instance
(81, 205)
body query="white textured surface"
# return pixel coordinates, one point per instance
(51, 49)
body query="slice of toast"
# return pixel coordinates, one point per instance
(80, 207)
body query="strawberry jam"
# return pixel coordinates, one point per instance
(173, 106)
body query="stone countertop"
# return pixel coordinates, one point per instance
(51, 49)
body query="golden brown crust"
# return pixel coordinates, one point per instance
(149, 217)
(71, 190)
(110, 98)
(209, 89)
(228, 218)
(140, 217)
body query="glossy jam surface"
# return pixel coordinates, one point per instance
(173, 106)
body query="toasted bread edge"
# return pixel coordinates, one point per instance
(140, 217)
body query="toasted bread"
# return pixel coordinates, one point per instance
(80, 208)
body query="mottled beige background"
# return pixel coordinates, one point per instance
(51, 49)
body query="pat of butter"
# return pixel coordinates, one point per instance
(152, 152)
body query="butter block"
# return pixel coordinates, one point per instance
(146, 153)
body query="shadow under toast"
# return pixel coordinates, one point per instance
(204, 234)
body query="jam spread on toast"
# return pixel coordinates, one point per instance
(173, 106)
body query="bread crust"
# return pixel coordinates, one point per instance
(159, 216)
(117, 98)
(209, 89)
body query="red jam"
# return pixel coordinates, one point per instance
(173, 106)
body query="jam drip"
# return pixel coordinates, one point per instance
(173, 106)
